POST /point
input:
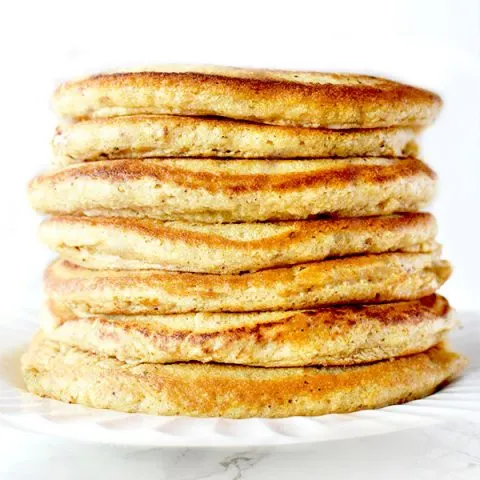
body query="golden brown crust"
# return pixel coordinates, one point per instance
(326, 336)
(143, 136)
(119, 243)
(54, 370)
(304, 99)
(235, 190)
(365, 279)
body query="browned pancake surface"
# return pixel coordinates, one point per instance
(214, 191)
(65, 373)
(146, 244)
(307, 99)
(146, 136)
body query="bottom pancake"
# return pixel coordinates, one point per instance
(54, 370)
(326, 336)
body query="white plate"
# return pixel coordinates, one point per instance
(24, 411)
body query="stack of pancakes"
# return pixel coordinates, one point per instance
(240, 243)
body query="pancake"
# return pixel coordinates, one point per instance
(144, 136)
(125, 243)
(326, 336)
(306, 99)
(54, 370)
(365, 279)
(214, 191)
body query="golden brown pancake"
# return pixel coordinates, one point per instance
(386, 277)
(126, 243)
(143, 136)
(325, 336)
(215, 191)
(55, 370)
(305, 99)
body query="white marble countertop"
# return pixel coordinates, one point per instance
(447, 451)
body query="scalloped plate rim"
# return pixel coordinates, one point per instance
(108, 427)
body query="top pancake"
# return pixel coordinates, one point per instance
(305, 99)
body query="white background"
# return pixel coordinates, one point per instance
(434, 44)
